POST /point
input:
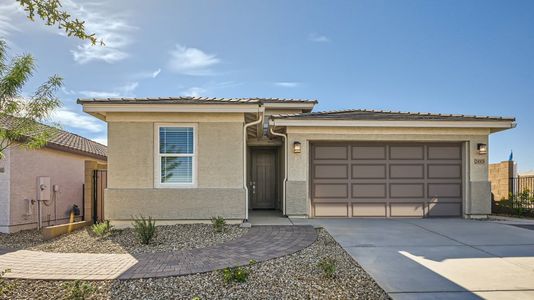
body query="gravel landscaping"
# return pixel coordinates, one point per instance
(168, 238)
(295, 276)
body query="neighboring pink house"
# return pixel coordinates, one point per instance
(59, 168)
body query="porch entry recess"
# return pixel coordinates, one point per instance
(100, 183)
(263, 179)
(356, 179)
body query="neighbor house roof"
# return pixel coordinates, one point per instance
(63, 140)
(192, 100)
(380, 115)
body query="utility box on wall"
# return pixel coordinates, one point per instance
(43, 188)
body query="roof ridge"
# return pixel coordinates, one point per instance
(198, 98)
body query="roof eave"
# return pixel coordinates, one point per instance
(494, 125)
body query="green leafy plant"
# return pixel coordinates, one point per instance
(4, 285)
(196, 298)
(78, 290)
(252, 262)
(237, 274)
(218, 223)
(145, 229)
(102, 228)
(328, 266)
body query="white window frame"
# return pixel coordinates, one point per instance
(158, 156)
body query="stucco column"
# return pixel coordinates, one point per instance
(478, 203)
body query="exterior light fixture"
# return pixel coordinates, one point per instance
(482, 148)
(296, 147)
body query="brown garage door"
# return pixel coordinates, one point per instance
(386, 180)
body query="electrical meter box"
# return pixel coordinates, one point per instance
(43, 188)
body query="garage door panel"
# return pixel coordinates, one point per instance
(406, 152)
(369, 171)
(369, 209)
(445, 152)
(415, 171)
(368, 152)
(331, 152)
(369, 190)
(367, 179)
(331, 190)
(331, 210)
(331, 171)
(445, 190)
(407, 209)
(444, 171)
(407, 190)
(444, 209)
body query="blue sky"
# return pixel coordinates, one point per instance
(471, 57)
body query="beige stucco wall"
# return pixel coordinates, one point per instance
(477, 191)
(4, 191)
(64, 169)
(131, 188)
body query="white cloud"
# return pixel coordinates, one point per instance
(126, 90)
(318, 38)
(8, 12)
(156, 73)
(195, 91)
(102, 140)
(71, 119)
(111, 28)
(289, 84)
(191, 61)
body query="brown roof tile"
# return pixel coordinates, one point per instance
(64, 140)
(192, 100)
(381, 115)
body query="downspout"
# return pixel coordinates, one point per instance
(261, 110)
(284, 137)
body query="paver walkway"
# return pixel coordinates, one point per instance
(259, 243)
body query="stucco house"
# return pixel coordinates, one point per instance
(50, 178)
(191, 158)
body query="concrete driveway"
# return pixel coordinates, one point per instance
(440, 258)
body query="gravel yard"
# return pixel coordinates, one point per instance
(168, 238)
(295, 276)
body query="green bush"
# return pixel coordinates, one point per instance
(102, 228)
(145, 229)
(78, 290)
(328, 266)
(218, 223)
(237, 274)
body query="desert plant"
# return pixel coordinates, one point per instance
(144, 228)
(218, 223)
(4, 286)
(328, 266)
(77, 290)
(252, 262)
(102, 228)
(237, 274)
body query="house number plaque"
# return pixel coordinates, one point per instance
(480, 161)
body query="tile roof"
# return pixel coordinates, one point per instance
(63, 140)
(193, 100)
(381, 115)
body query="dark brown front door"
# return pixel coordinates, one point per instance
(263, 179)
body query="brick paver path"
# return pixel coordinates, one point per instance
(259, 243)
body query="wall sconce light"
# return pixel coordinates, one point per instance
(296, 147)
(482, 148)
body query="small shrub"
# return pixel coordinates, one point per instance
(218, 223)
(237, 274)
(145, 229)
(328, 266)
(4, 286)
(196, 298)
(78, 290)
(102, 228)
(252, 262)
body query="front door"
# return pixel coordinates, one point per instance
(263, 179)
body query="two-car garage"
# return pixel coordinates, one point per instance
(362, 179)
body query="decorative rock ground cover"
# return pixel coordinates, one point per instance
(294, 276)
(168, 238)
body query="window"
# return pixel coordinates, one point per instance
(176, 161)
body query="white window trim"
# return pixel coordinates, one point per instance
(157, 156)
